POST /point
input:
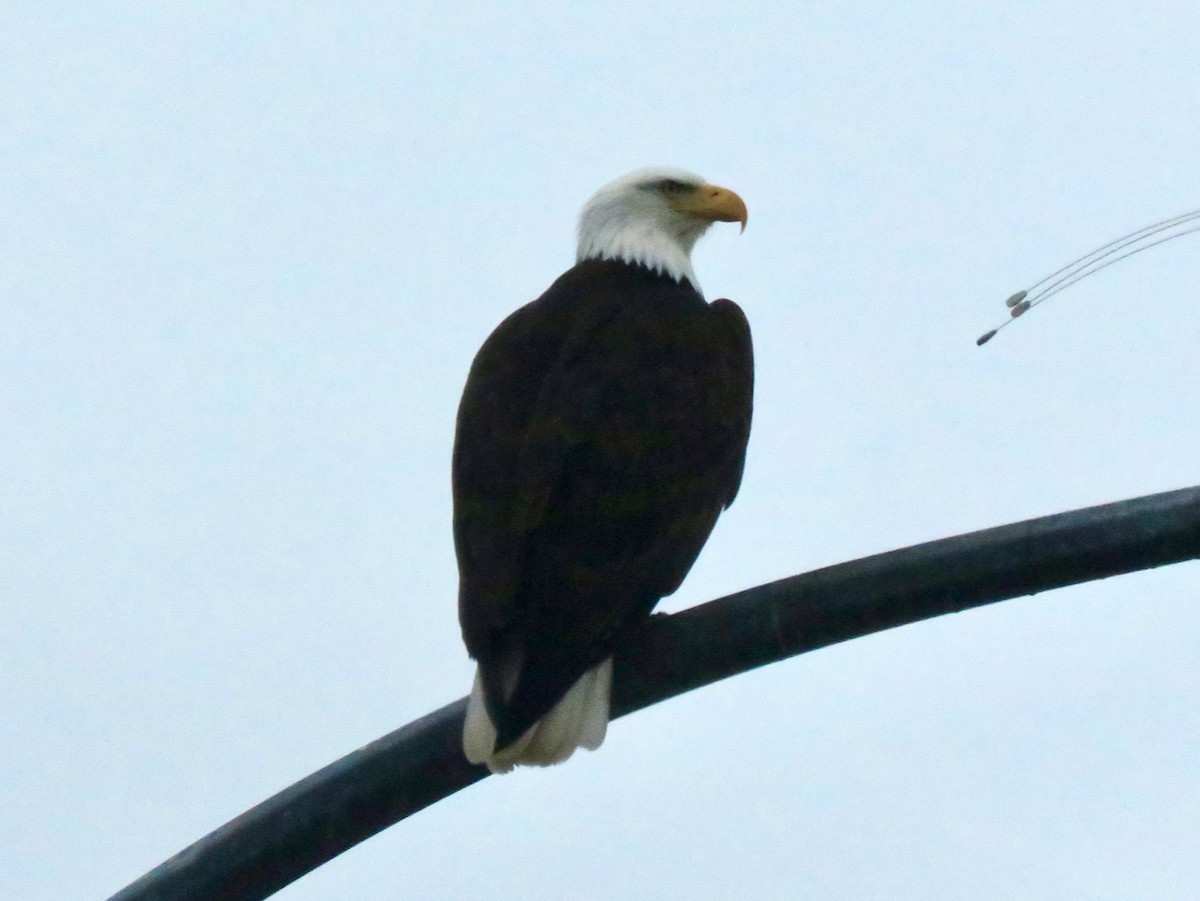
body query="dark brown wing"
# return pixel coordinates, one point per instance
(586, 489)
(733, 377)
(498, 495)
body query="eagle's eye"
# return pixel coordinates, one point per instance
(671, 186)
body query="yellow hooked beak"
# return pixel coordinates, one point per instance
(713, 203)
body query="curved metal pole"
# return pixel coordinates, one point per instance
(316, 819)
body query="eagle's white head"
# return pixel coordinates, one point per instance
(654, 217)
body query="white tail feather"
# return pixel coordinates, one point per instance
(579, 720)
(595, 722)
(479, 735)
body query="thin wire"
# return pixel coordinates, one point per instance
(1117, 244)
(1020, 303)
(1079, 276)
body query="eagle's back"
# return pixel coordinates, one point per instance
(602, 430)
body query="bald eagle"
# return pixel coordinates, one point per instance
(601, 432)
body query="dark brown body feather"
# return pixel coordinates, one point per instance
(602, 430)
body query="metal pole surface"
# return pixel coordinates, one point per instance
(309, 823)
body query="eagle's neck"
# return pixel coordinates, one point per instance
(613, 233)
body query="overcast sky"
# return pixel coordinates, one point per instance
(247, 252)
